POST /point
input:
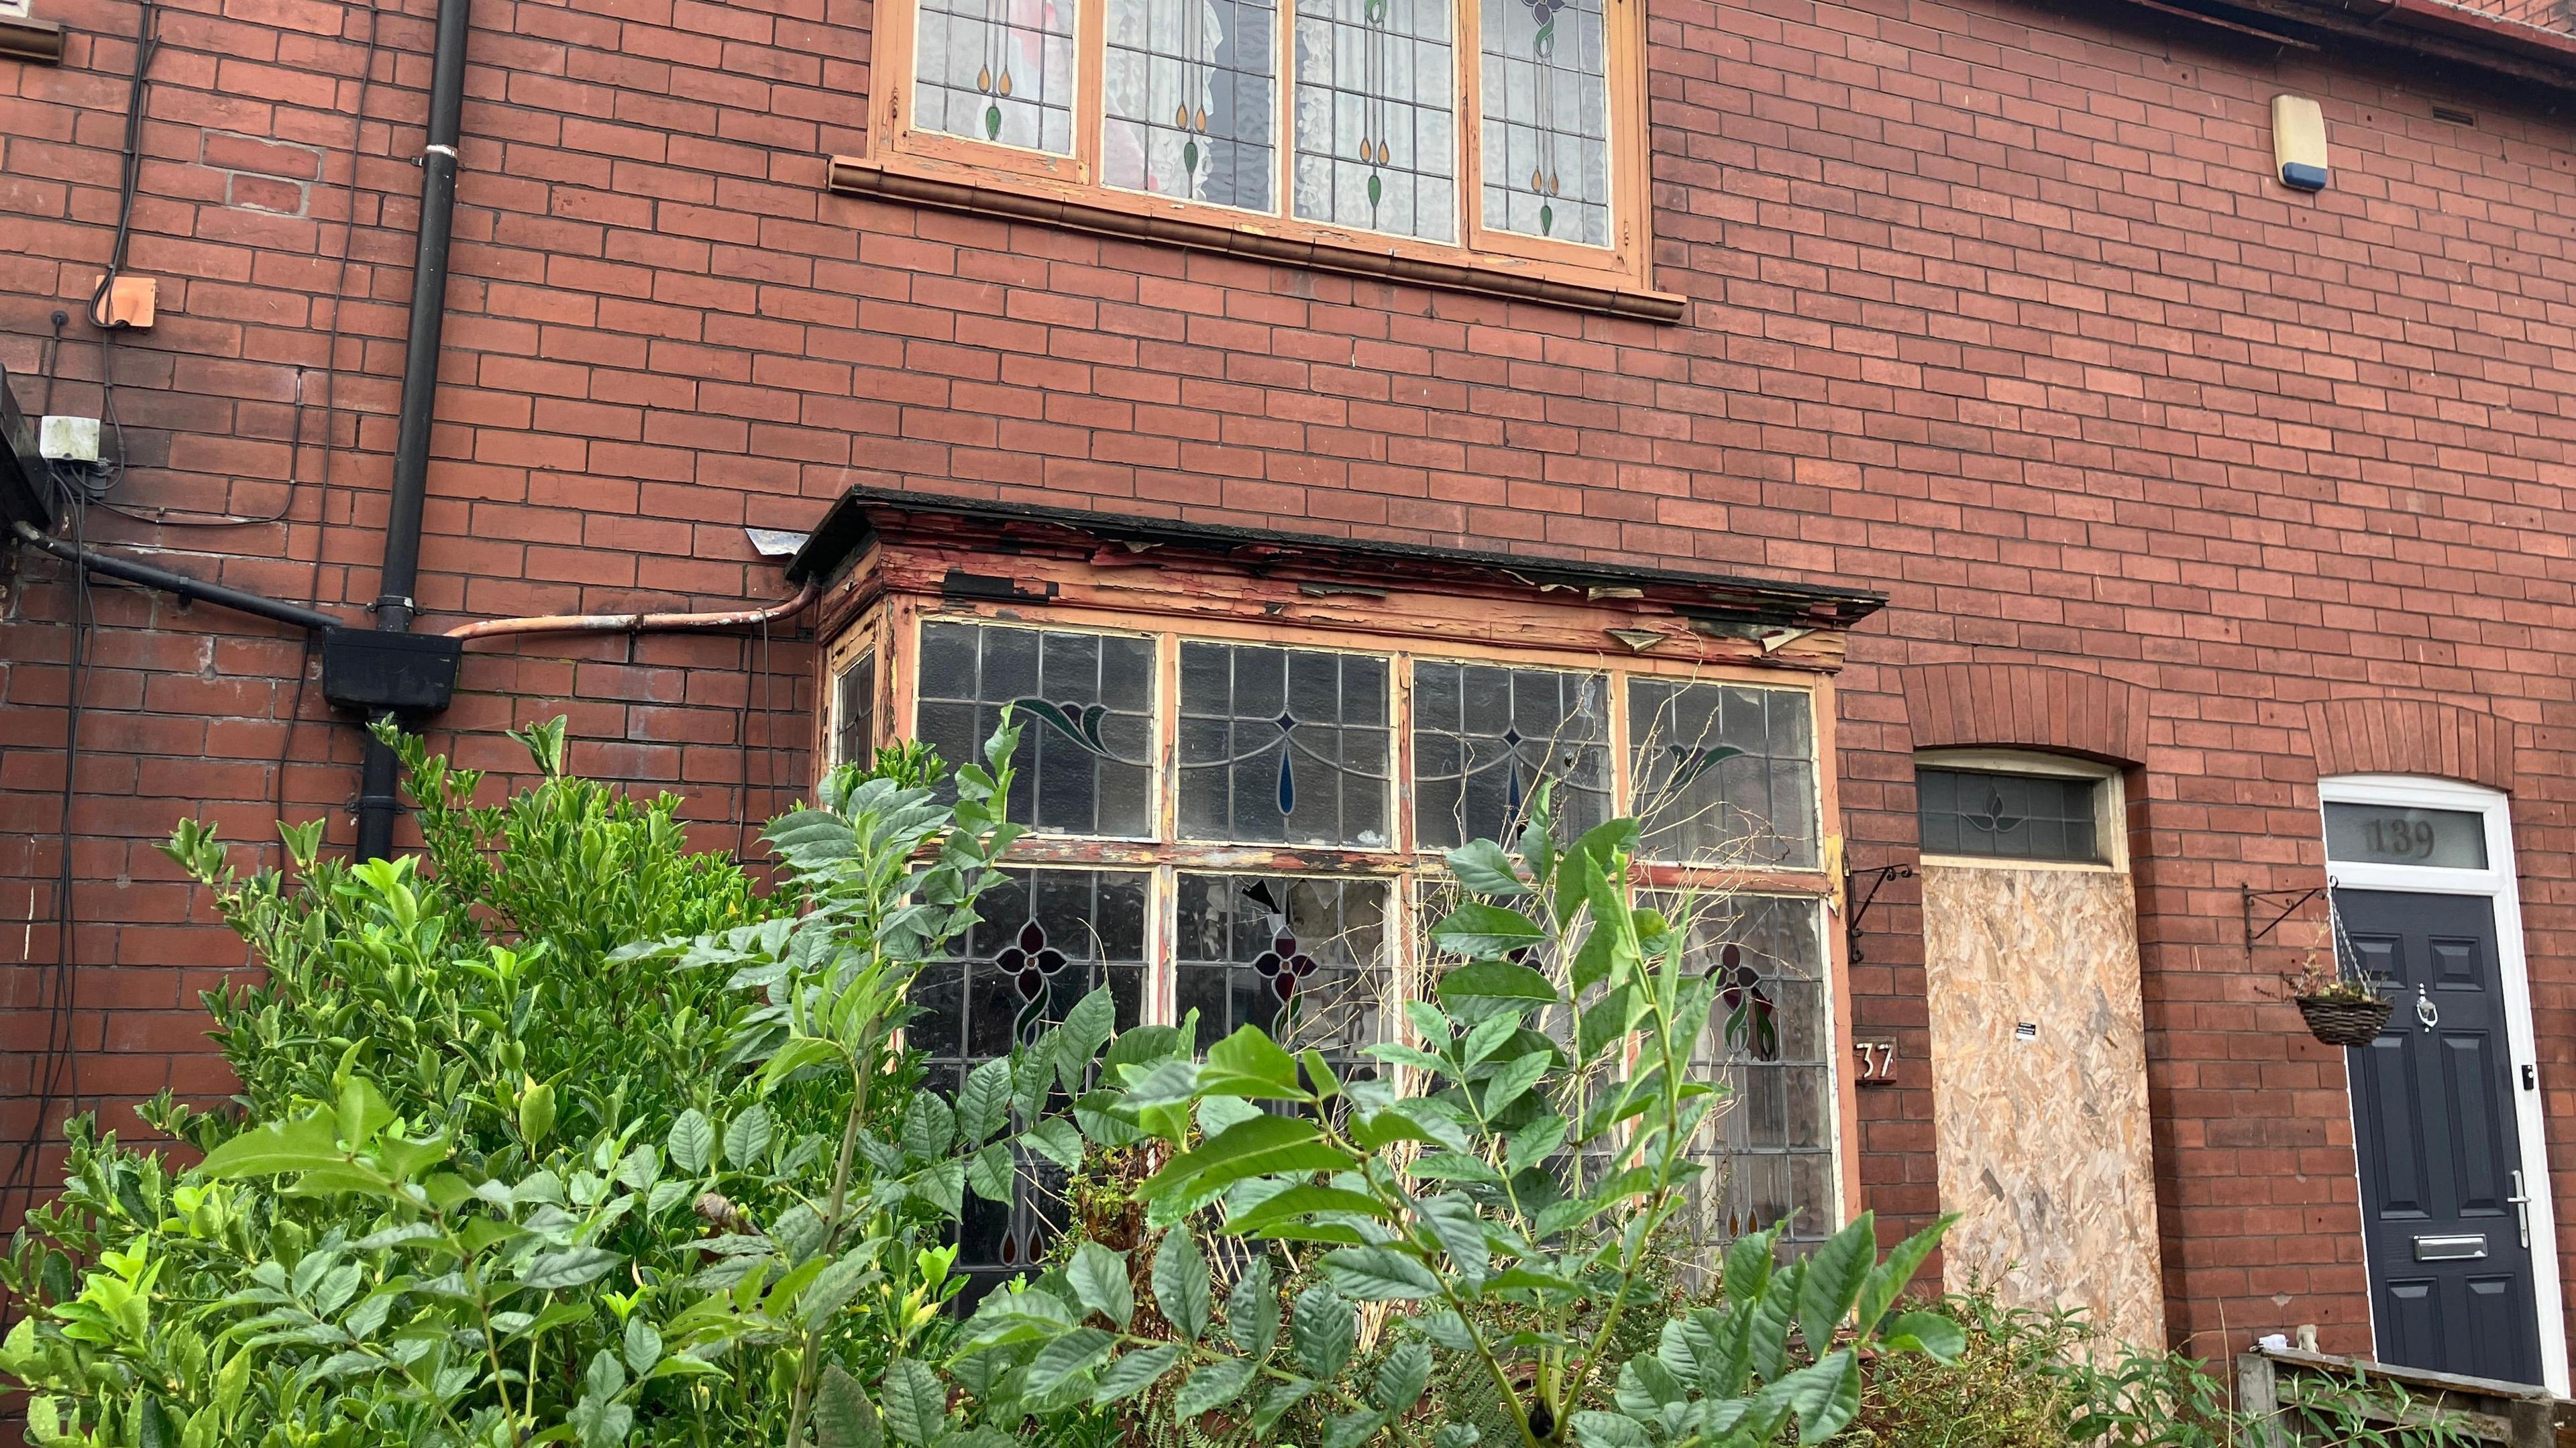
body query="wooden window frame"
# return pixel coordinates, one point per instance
(966, 174)
(891, 624)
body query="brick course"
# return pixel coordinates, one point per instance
(1992, 305)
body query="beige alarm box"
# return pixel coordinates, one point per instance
(2299, 143)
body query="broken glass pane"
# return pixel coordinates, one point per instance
(1085, 705)
(1483, 739)
(1723, 774)
(1302, 958)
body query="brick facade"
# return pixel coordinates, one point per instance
(1991, 306)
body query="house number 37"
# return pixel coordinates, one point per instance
(1877, 1062)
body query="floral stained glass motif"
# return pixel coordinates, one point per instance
(854, 711)
(1546, 92)
(1376, 130)
(2008, 816)
(1043, 939)
(1284, 746)
(1723, 774)
(1302, 958)
(1769, 1042)
(996, 70)
(1190, 89)
(1085, 706)
(1483, 739)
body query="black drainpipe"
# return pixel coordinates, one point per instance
(378, 804)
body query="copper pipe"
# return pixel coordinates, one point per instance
(636, 622)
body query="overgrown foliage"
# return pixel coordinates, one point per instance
(1504, 1215)
(564, 1134)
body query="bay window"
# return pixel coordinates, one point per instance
(1249, 824)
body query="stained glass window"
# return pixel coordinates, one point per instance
(1547, 119)
(1300, 957)
(1770, 1151)
(1286, 746)
(1192, 99)
(1377, 146)
(1483, 738)
(996, 70)
(2007, 815)
(1723, 774)
(854, 710)
(1085, 706)
(1219, 823)
(1043, 939)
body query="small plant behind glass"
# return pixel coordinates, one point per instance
(1506, 1218)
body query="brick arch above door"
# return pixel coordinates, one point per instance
(2412, 736)
(2026, 706)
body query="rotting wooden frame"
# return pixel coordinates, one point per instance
(966, 174)
(884, 599)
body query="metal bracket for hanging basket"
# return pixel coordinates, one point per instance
(2247, 895)
(1860, 904)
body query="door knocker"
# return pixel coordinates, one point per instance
(2425, 1011)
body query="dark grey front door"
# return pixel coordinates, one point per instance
(2441, 1160)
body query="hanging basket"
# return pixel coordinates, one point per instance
(2345, 1022)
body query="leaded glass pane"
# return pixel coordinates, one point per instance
(1284, 746)
(996, 70)
(1723, 774)
(1769, 1152)
(1191, 92)
(2007, 816)
(1302, 958)
(1483, 738)
(854, 711)
(1043, 939)
(1375, 119)
(1085, 704)
(1547, 119)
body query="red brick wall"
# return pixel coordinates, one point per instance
(1991, 307)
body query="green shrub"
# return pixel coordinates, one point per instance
(564, 1134)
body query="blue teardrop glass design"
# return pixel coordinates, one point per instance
(1512, 805)
(1287, 781)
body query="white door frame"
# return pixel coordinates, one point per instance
(2497, 884)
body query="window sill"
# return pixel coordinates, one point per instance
(1526, 281)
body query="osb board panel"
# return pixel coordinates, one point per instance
(2043, 1142)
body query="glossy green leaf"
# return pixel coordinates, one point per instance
(1481, 866)
(1099, 1278)
(1482, 932)
(1483, 978)
(1379, 1274)
(1180, 1279)
(1133, 1373)
(1212, 1387)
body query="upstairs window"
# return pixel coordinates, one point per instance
(1508, 131)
